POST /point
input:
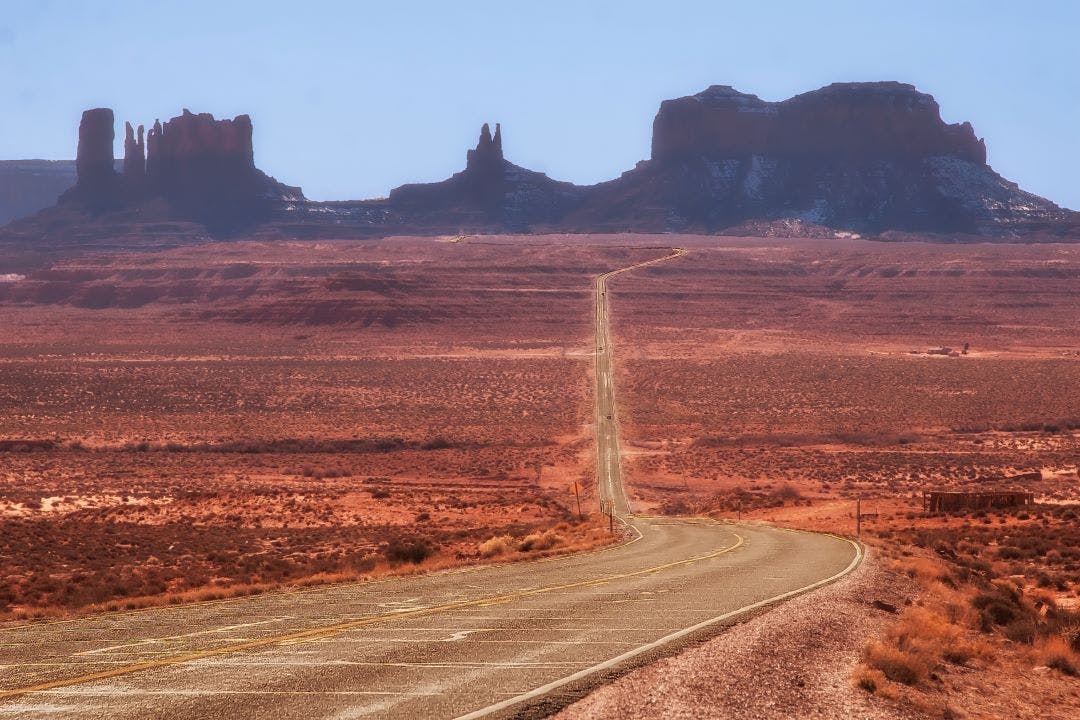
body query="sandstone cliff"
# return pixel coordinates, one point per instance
(869, 157)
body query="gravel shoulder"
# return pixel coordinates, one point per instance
(793, 661)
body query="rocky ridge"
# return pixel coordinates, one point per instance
(867, 158)
(192, 167)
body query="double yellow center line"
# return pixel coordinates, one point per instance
(329, 630)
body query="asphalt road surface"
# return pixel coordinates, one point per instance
(512, 640)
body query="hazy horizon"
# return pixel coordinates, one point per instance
(350, 100)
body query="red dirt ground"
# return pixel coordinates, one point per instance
(780, 380)
(216, 418)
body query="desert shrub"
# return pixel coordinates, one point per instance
(902, 666)
(540, 541)
(869, 679)
(495, 546)
(1021, 630)
(413, 550)
(999, 606)
(1054, 652)
(361, 562)
(788, 492)
(997, 612)
(1008, 552)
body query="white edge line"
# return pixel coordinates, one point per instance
(545, 689)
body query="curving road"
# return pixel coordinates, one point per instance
(508, 640)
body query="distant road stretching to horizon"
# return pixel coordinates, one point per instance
(519, 639)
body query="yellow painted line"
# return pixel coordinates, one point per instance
(151, 641)
(314, 589)
(328, 630)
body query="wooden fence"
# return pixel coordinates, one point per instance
(944, 501)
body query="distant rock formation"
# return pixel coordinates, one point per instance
(490, 192)
(868, 157)
(204, 170)
(134, 154)
(27, 186)
(485, 162)
(94, 161)
(844, 121)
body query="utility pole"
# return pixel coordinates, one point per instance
(858, 517)
(608, 510)
(577, 497)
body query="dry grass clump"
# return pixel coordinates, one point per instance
(495, 546)
(540, 541)
(1055, 652)
(871, 680)
(533, 542)
(918, 645)
(903, 665)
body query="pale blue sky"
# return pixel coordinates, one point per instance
(350, 99)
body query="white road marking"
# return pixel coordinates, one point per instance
(462, 634)
(655, 644)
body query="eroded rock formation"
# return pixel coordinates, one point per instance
(204, 170)
(490, 192)
(863, 157)
(867, 157)
(844, 121)
(485, 161)
(134, 153)
(94, 161)
(191, 149)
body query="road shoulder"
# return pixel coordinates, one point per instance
(794, 661)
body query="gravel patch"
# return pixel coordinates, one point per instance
(795, 660)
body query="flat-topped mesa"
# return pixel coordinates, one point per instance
(94, 161)
(863, 157)
(134, 153)
(879, 120)
(190, 150)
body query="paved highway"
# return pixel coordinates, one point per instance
(508, 640)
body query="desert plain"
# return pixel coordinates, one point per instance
(198, 422)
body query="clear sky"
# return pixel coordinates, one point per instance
(350, 99)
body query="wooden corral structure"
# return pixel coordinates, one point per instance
(944, 501)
